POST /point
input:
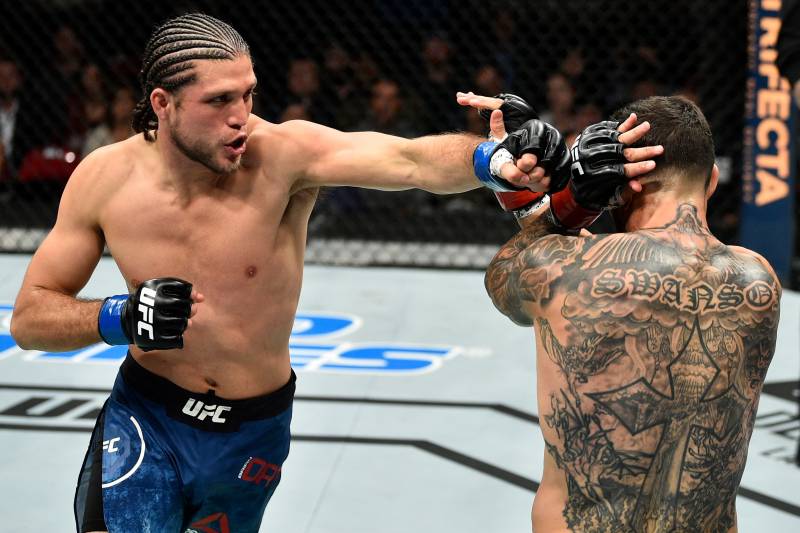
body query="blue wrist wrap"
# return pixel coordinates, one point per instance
(481, 162)
(109, 321)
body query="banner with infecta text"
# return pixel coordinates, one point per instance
(767, 216)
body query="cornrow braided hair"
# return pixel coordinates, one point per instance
(169, 55)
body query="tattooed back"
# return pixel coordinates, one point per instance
(652, 349)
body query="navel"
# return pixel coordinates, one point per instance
(251, 271)
(211, 383)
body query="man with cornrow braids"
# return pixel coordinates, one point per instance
(205, 214)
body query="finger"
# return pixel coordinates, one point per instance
(478, 101)
(585, 233)
(194, 310)
(628, 124)
(640, 154)
(463, 98)
(635, 186)
(527, 163)
(189, 323)
(633, 170)
(197, 297)
(514, 175)
(496, 125)
(540, 185)
(630, 137)
(537, 174)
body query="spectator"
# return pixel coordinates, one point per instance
(560, 98)
(341, 93)
(388, 112)
(505, 43)
(294, 112)
(56, 86)
(588, 113)
(304, 88)
(68, 55)
(441, 82)
(116, 126)
(487, 81)
(10, 82)
(88, 106)
(17, 126)
(338, 84)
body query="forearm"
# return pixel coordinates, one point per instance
(49, 320)
(443, 163)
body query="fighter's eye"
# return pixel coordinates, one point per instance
(221, 99)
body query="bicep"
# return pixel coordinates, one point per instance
(67, 257)
(361, 159)
(65, 260)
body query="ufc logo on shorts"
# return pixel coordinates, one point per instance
(110, 445)
(200, 411)
(147, 300)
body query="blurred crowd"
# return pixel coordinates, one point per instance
(55, 114)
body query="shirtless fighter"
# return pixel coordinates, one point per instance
(652, 344)
(205, 214)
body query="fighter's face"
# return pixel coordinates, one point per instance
(209, 116)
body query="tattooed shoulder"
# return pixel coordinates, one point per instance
(521, 274)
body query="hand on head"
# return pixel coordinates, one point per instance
(528, 171)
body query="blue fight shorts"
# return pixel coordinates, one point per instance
(163, 459)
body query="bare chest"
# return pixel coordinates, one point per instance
(225, 242)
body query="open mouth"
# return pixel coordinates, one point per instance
(237, 147)
(238, 143)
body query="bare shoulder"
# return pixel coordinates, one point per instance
(267, 140)
(758, 261)
(293, 148)
(593, 251)
(551, 250)
(280, 149)
(101, 174)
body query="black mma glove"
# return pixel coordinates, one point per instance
(598, 177)
(516, 111)
(546, 143)
(598, 166)
(154, 318)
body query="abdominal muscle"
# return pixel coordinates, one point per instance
(235, 354)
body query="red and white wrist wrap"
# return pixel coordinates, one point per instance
(568, 214)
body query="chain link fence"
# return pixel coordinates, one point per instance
(68, 84)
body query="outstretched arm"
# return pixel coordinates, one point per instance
(438, 163)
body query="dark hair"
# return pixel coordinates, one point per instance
(169, 55)
(679, 126)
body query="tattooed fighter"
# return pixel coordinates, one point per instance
(652, 344)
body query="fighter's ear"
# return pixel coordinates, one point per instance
(713, 181)
(160, 100)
